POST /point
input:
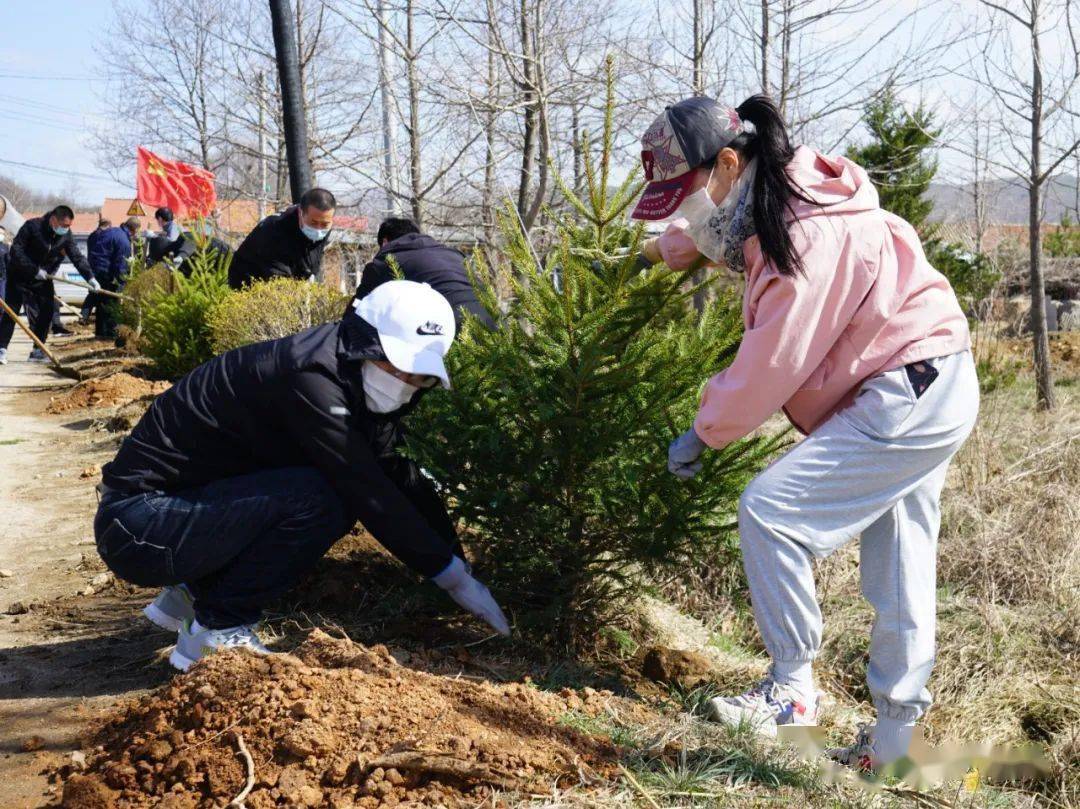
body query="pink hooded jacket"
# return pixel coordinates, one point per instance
(867, 302)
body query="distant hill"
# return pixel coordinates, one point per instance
(1008, 201)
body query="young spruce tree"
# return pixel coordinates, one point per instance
(552, 445)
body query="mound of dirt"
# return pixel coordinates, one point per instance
(337, 724)
(107, 391)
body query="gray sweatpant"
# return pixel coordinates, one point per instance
(875, 468)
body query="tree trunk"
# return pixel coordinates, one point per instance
(540, 115)
(785, 58)
(292, 97)
(487, 212)
(389, 146)
(415, 174)
(699, 75)
(579, 173)
(1044, 380)
(529, 111)
(765, 46)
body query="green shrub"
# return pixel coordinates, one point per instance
(175, 317)
(1063, 242)
(273, 309)
(971, 275)
(143, 284)
(552, 444)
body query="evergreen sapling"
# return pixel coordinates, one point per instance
(551, 447)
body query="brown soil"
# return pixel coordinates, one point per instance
(109, 391)
(337, 724)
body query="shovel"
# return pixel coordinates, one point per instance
(71, 373)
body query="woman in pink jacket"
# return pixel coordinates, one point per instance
(862, 344)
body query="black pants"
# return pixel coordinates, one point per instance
(37, 298)
(105, 306)
(237, 543)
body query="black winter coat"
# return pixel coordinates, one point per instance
(276, 248)
(37, 247)
(297, 401)
(426, 261)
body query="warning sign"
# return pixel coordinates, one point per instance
(135, 209)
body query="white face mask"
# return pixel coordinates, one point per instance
(384, 392)
(698, 206)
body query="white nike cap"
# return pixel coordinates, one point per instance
(415, 325)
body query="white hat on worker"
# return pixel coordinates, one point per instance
(415, 325)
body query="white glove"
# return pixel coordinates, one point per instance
(683, 455)
(41, 275)
(471, 595)
(94, 284)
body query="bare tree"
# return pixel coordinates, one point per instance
(1033, 97)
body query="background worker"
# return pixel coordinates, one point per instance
(864, 346)
(243, 474)
(4, 249)
(421, 258)
(37, 251)
(109, 256)
(286, 245)
(92, 300)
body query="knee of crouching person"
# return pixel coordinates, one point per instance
(751, 501)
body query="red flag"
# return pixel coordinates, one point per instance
(188, 190)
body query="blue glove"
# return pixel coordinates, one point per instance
(683, 455)
(95, 284)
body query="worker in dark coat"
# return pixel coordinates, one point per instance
(244, 473)
(286, 245)
(39, 248)
(421, 258)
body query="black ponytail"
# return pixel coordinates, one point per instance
(773, 187)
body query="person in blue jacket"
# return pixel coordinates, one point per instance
(108, 253)
(91, 301)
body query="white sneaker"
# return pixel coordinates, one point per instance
(765, 707)
(3, 356)
(37, 355)
(880, 747)
(195, 642)
(173, 606)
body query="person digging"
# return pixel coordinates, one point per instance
(242, 475)
(862, 343)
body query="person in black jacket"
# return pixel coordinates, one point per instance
(421, 258)
(243, 474)
(287, 245)
(3, 261)
(39, 248)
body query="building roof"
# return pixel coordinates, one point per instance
(238, 216)
(116, 211)
(83, 223)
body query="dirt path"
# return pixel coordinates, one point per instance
(65, 652)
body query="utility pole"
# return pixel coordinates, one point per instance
(261, 89)
(389, 147)
(292, 97)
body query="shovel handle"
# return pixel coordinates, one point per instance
(30, 334)
(85, 285)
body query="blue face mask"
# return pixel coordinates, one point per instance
(61, 231)
(315, 234)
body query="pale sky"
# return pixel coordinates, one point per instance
(49, 78)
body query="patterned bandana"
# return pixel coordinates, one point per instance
(721, 235)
